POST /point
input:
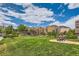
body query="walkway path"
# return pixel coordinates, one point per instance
(1, 38)
(66, 41)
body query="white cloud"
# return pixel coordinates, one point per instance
(7, 23)
(37, 15)
(5, 20)
(24, 4)
(32, 14)
(70, 23)
(65, 3)
(73, 5)
(62, 13)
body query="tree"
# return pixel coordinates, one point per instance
(10, 32)
(21, 27)
(0, 29)
(53, 33)
(9, 29)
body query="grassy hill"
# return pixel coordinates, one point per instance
(35, 46)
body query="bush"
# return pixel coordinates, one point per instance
(13, 34)
(71, 34)
(71, 37)
(49, 33)
(10, 32)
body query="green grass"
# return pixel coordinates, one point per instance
(36, 46)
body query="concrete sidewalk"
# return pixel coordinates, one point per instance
(1, 38)
(66, 41)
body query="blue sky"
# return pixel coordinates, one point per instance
(39, 14)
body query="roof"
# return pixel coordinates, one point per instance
(63, 27)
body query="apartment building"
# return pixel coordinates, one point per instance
(77, 28)
(62, 29)
(51, 28)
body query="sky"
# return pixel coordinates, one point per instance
(39, 14)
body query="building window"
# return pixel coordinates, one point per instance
(77, 26)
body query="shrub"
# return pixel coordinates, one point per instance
(71, 37)
(71, 34)
(10, 32)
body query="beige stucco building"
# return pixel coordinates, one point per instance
(51, 28)
(62, 29)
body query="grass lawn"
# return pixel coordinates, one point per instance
(36, 46)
